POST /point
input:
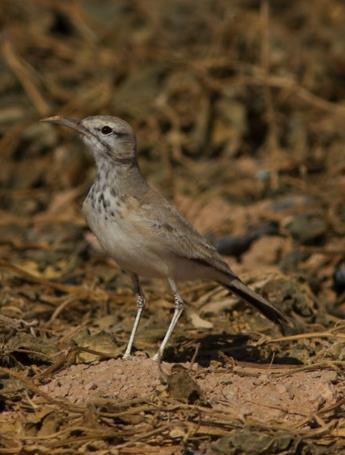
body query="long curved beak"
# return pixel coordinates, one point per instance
(72, 123)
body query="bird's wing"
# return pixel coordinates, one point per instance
(168, 231)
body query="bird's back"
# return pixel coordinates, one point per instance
(165, 231)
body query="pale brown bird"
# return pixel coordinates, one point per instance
(140, 229)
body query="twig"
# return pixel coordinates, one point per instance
(25, 78)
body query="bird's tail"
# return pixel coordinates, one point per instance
(260, 303)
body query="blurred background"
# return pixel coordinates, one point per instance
(239, 109)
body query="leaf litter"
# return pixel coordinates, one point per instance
(240, 122)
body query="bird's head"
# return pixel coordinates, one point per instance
(107, 137)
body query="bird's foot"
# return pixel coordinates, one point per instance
(137, 355)
(127, 356)
(157, 357)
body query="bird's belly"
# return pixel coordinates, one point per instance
(126, 247)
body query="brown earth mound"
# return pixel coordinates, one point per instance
(246, 393)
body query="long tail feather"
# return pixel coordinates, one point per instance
(259, 302)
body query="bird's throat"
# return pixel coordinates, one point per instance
(123, 177)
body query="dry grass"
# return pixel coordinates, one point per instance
(239, 109)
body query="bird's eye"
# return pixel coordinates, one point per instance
(106, 130)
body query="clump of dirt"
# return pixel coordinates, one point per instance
(267, 397)
(114, 379)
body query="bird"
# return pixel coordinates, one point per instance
(141, 230)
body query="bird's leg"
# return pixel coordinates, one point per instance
(177, 313)
(140, 307)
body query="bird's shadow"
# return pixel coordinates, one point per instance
(224, 346)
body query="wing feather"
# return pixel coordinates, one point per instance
(168, 231)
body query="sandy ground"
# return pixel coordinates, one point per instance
(246, 393)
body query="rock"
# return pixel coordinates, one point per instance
(236, 245)
(308, 229)
(339, 278)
